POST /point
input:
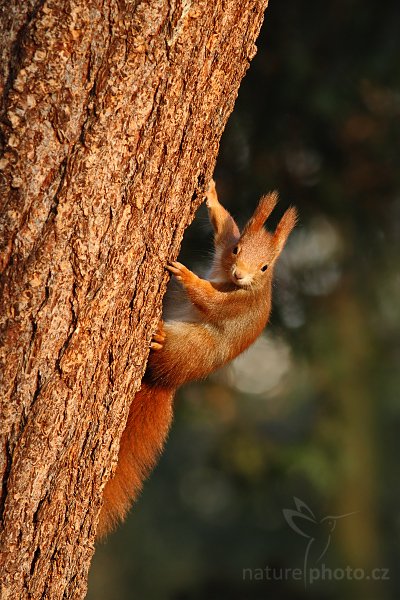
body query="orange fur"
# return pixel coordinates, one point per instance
(220, 317)
(265, 207)
(142, 441)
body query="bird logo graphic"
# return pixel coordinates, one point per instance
(318, 531)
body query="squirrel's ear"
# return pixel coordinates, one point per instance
(264, 209)
(284, 228)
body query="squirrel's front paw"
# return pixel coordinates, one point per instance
(158, 337)
(211, 194)
(181, 272)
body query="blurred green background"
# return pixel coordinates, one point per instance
(312, 411)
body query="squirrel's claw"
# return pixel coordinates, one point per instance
(178, 269)
(158, 337)
(155, 346)
(211, 194)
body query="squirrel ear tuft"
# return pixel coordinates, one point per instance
(265, 207)
(284, 227)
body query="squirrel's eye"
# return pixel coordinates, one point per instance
(235, 250)
(264, 267)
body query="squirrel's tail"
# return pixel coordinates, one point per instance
(147, 427)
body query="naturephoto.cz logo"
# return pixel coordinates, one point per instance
(318, 535)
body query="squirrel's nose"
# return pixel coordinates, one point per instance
(238, 275)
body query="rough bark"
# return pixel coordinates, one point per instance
(112, 112)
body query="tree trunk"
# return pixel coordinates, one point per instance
(112, 114)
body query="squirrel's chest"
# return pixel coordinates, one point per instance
(239, 333)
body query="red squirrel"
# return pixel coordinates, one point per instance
(218, 319)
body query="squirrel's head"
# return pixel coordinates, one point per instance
(249, 260)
